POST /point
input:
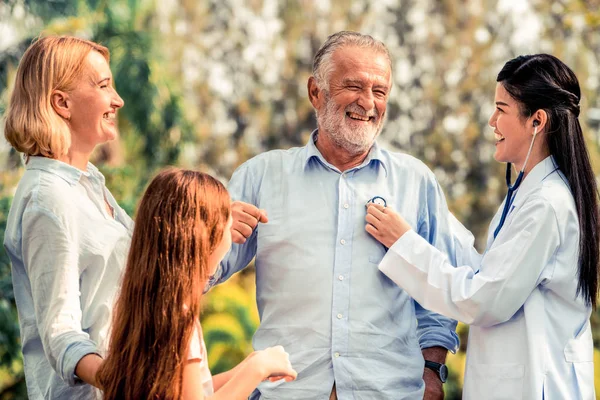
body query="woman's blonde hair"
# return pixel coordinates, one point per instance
(51, 63)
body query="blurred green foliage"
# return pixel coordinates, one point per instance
(229, 319)
(208, 84)
(10, 346)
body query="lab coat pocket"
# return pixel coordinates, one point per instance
(495, 382)
(580, 352)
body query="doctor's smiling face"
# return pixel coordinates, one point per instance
(513, 132)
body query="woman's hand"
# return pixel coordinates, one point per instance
(274, 364)
(385, 225)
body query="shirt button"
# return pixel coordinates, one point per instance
(339, 316)
(342, 241)
(341, 277)
(336, 354)
(346, 205)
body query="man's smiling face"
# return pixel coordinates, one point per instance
(354, 104)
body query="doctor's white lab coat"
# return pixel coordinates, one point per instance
(530, 336)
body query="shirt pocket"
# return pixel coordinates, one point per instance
(269, 229)
(375, 258)
(376, 253)
(495, 382)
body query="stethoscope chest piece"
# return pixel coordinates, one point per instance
(377, 200)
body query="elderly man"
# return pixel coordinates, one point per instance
(350, 331)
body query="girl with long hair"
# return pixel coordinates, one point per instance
(529, 297)
(182, 232)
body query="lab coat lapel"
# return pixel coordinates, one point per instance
(533, 180)
(493, 225)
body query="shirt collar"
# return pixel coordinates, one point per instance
(65, 171)
(375, 154)
(537, 174)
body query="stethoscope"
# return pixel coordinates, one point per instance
(513, 188)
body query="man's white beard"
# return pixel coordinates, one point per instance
(355, 140)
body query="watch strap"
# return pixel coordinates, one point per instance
(437, 367)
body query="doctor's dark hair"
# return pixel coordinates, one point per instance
(543, 82)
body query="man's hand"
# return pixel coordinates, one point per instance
(245, 218)
(434, 388)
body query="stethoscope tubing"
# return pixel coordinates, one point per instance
(509, 196)
(513, 188)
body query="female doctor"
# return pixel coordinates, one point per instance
(529, 297)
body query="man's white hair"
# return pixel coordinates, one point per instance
(322, 65)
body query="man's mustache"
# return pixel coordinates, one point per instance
(356, 109)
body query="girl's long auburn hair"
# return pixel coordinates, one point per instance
(180, 220)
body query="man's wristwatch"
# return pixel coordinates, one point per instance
(441, 369)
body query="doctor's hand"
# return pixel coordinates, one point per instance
(245, 218)
(385, 225)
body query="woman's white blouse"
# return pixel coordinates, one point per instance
(530, 336)
(67, 253)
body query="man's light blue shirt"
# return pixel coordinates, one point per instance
(67, 253)
(319, 292)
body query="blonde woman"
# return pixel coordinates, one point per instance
(66, 236)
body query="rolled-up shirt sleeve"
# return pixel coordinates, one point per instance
(51, 260)
(241, 188)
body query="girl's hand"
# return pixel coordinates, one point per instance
(274, 364)
(385, 225)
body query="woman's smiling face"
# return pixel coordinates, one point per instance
(94, 104)
(513, 132)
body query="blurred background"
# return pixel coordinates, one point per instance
(209, 83)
